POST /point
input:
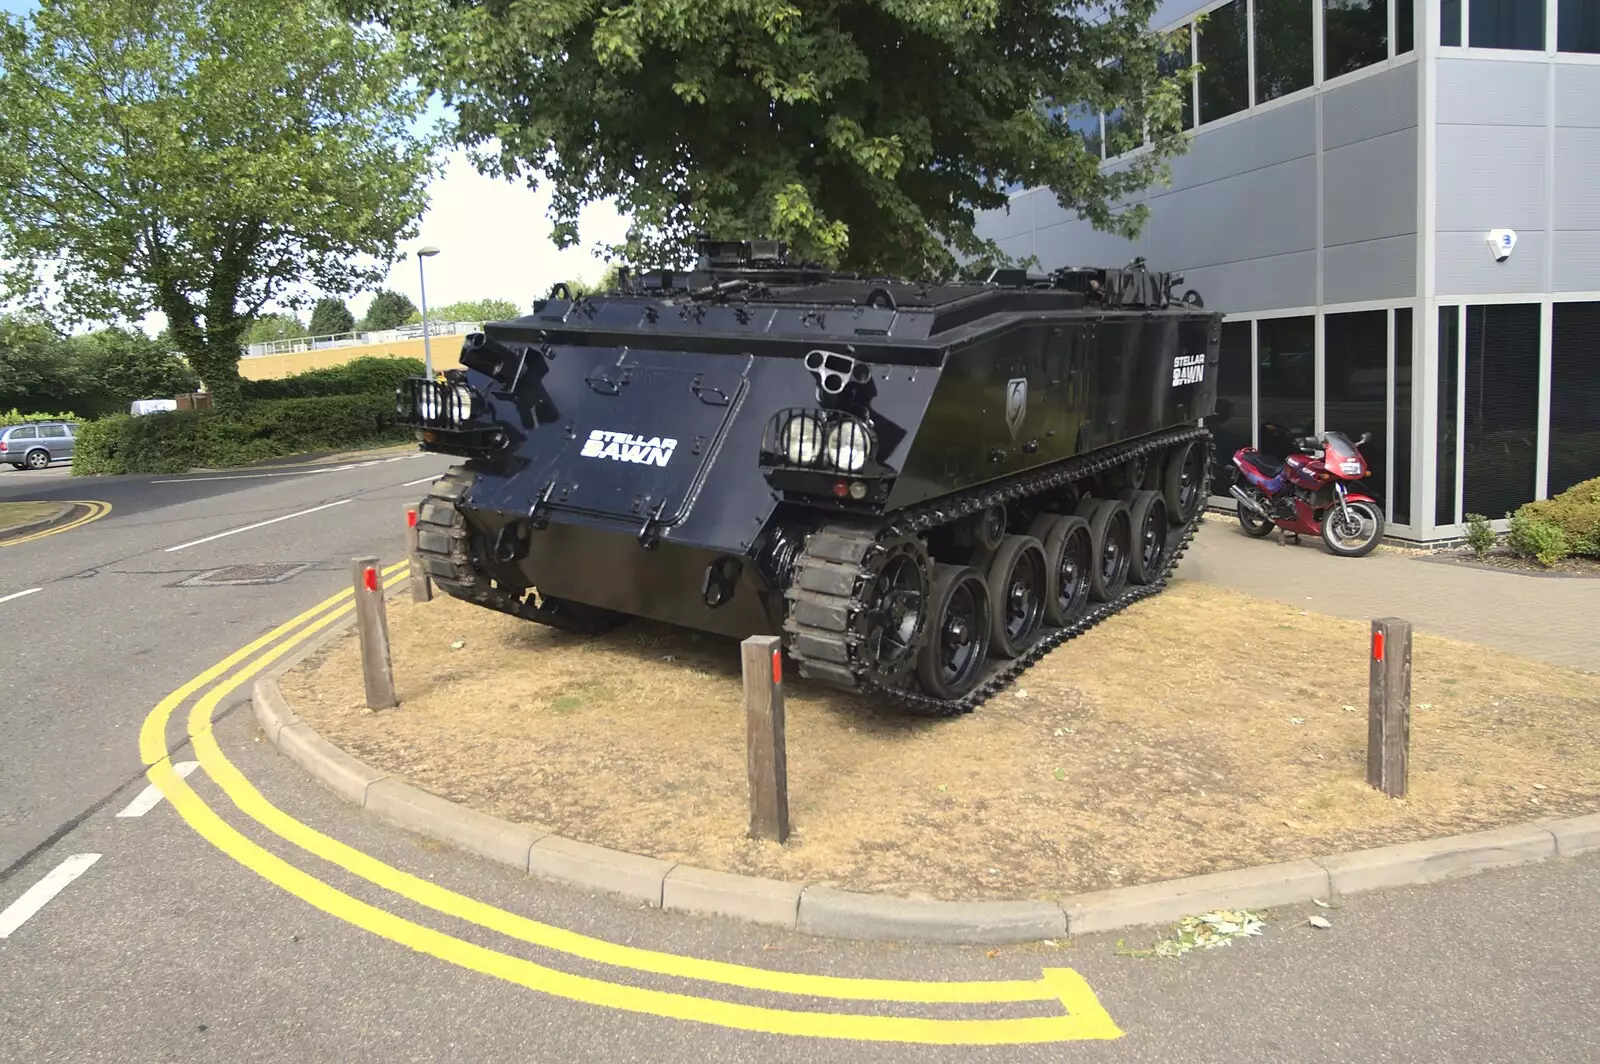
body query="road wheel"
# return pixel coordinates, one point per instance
(1147, 516)
(38, 459)
(1181, 481)
(1017, 580)
(1069, 557)
(1111, 532)
(951, 660)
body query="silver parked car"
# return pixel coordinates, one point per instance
(36, 444)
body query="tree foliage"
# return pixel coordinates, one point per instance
(94, 374)
(331, 316)
(868, 133)
(269, 328)
(203, 158)
(472, 310)
(389, 310)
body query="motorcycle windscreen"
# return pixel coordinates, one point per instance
(645, 428)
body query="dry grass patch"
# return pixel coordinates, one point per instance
(1197, 731)
(22, 513)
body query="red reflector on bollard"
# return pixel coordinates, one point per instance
(777, 666)
(1377, 646)
(411, 518)
(369, 577)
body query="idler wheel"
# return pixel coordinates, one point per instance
(1069, 559)
(1147, 513)
(1181, 481)
(989, 528)
(893, 618)
(1018, 581)
(1111, 532)
(952, 658)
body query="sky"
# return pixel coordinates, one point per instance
(493, 237)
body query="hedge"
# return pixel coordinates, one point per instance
(17, 417)
(368, 375)
(1555, 528)
(177, 441)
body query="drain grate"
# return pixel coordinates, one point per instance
(260, 573)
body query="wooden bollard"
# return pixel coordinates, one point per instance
(421, 583)
(1389, 706)
(768, 763)
(372, 628)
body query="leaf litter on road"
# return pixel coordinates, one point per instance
(1204, 931)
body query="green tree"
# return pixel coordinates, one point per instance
(36, 368)
(267, 328)
(116, 366)
(389, 310)
(202, 158)
(471, 310)
(331, 316)
(867, 133)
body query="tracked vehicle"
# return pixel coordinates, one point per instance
(922, 488)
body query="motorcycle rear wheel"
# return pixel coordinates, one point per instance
(1255, 526)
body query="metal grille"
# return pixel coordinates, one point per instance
(421, 401)
(259, 573)
(827, 440)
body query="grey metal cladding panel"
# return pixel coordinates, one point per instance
(1577, 259)
(1077, 243)
(1370, 107)
(1490, 176)
(1485, 92)
(1248, 216)
(1265, 139)
(1369, 189)
(1463, 265)
(1372, 269)
(1002, 223)
(1577, 94)
(1577, 177)
(1260, 284)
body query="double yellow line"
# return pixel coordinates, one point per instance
(97, 510)
(1076, 1013)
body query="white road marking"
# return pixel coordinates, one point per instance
(38, 896)
(19, 594)
(302, 472)
(151, 796)
(423, 480)
(258, 524)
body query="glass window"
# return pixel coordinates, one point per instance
(1578, 27)
(1223, 50)
(1404, 26)
(53, 432)
(1286, 381)
(1444, 442)
(1355, 366)
(1086, 124)
(1283, 47)
(1574, 396)
(1500, 423)
(1174, 59)
(1355, 34)
(1449, 23)
(29, 433)
(1231, 423)
(1506, 24)
(1400, 493)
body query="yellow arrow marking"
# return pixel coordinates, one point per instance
(1086, 1018)
(97, 510)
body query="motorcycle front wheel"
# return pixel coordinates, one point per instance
(1355, 536)
(1255, 526)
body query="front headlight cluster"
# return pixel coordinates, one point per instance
(842, 442)
(438, 403)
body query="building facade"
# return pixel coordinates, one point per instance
(1349, 162)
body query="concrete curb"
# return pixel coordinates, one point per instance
(826, 911)
(29, 527)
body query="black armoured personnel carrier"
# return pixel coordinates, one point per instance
(921, 487)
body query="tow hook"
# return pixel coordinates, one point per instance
(717, 587)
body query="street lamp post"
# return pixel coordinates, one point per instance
(422, 286)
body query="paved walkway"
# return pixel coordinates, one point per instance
(1550, 618)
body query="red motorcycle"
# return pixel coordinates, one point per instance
(1305, 493)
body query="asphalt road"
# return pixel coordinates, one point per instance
(168, 948)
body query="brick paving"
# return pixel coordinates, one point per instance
(1551, 618)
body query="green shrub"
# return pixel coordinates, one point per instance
(17, 417)
(1569, 523)
(181, 440)
(1480, 535)
(367, 375)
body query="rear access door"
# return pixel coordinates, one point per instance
(640, 431)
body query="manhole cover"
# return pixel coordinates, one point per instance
(263, 573)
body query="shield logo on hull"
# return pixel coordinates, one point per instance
(1016, 403)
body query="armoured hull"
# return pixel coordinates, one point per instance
(683, 450)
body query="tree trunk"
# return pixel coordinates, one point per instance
(218, 368)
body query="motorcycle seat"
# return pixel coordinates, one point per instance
(1265, 462)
